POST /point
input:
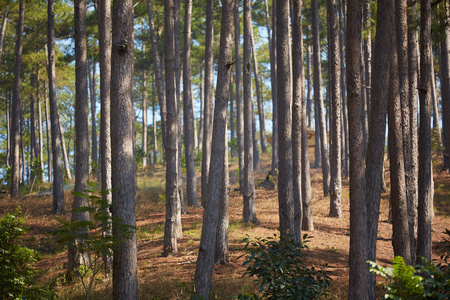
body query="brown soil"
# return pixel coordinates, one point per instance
(172, 277)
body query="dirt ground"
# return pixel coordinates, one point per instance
(172, 277)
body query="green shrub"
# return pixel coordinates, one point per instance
(16, 262)
(427, 280)
(281, 271)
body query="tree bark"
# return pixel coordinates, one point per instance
(248, 190)
(41, 135)
(318, 100)
(155, 137)
(256, 157)
(377, 127)
(274, 81)
(64, 150)
(104, 32)
(208, 98)
(33, 142)
(15, 112)
(159, 76)
(47, 123)
(309, 112)
(260, 101)
(445, 87)
(345, 151)
(239, 113)
(144, 115)
(170, 233)
(81, 127)
(3, 30)
(358, 208)
(123, 150)
(400, 230)
(93, 94)
(412, 101)
(297, 115)
(335, 111)
(218, 185)
(425, 172)
(191, 185)
(285, 184)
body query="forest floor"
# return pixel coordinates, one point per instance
(172, 277)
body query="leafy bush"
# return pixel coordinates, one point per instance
(16, 262)
(425, 281)
(281, 271)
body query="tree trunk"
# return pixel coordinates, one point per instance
(358, 208)
(63, 144)
(159, 76)
(232, 128)
(144, 114)
(218, 186)
(260, 101)
(170, 234)
(15, 112)
(248, 187)
(345, 151)
(82, 150)
(335, 111)
(202, 104)
(123, 150)
(412, 102)
(400, 230)
(208, 98)
(297, 115)
(274, 82)
(93, 94)
(318, 100)
(377, 127)
(191, 185)
(155, 137)
(435, 101)
(285, 184)
(47, 123)
(445, 87)
(33, 142)
(3, 30)
(239, 112)
(256, 157)
(104, 32)
(425, 173)
(309, 112)
(41, 135)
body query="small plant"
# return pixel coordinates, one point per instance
(281, 271)
(92, 238)
(16, 269)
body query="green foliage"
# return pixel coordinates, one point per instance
(16, 262)
(36, 171)
(92, 238)
(425, 281)
(6, 180)
(281, 271)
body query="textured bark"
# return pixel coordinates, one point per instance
(344, 138)
(248, 186)
(82, 150)
(58, 184)
(104, 32)
(297, 115)
(191, 182)
(155, 137)
(377, 127)
(425, 172)
(41, 135)
(208, 98)
(358, 208)
(93, 94)
(144, 115)
(15, 112)
(218, 185)
(412, 101)
(318, 100)
(47, 129)
(335, 111)
(232, 127)
(33, 142)
(273, 79)
(256, 157)
(64, 150)
(445, 87)
(171, 147)
(123, 150)
(259, 99)
(159, 76)
(435, 101)
(239, 112)
(400, 229)
(202, 104)
(3, 30)
(285, 185)
(309, 111)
